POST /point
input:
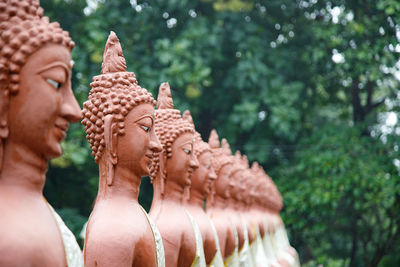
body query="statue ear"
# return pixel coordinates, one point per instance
(4, 100)
(111, 141)
(163, 171)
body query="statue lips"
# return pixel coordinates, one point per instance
(61, 126)
(149, 157)
(188, 180)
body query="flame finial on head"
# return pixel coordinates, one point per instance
(237, 157)
(213, 140)
(187, 116)
(226, 147)
(255, 167)
(113, 58)
(245, 161)
(164, 99)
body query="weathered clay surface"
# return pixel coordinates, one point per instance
(220, 193)
(119, 121)
(171, 174)
(202, 182)
(36, 106)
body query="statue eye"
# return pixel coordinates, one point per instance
(187, 151)
(55, 84)
(145, 128)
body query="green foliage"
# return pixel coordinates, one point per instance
(350, 187)
(300, 86)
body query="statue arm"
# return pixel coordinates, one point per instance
(229, 243)
(210, 248)
(108, 250)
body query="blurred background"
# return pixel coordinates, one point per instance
(307, 88)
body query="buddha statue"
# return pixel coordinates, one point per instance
(218, 199)
(171, 173)
(237, 207)
(36, 106)
(247, 199)
(275, 233)
(119, 122)
(252, 215)
(202, 180)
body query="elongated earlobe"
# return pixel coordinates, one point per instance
(111, 139)
(4, 100)
(163, 171)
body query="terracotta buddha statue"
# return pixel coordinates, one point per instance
(36, 106)
(237, 208)
(247, 199)
(275, 231)
(119, 122)
(254, 218)
(202, 181)
(217, 200)
(171, 174)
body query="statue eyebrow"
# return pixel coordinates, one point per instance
(188, 142)
(53, 65)
(145, 116)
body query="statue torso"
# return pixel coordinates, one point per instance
(206, 230)
(225, 231)
(177, 233)
(29, 235)
(119, 234)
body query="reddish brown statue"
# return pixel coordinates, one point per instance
(119, 121)
(236, 209)
(171, 174)
(36, 105)
(218, 200)
(202, 181)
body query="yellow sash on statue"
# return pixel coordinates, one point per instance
(217, 261)
(246, 259)
(257, 249)
(158, 240)
(199, 260)
(72, 250)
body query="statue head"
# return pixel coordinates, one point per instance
(248, 182)
(177, 160)
(237, 177)
(119, 116)
(267, 195)
(204, 176)
(222, 164)
(36, 99)
(258, 182)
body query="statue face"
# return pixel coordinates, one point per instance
(181, 164)
(39, 114)
(204, 175)
(223, 184)
(136, 147)
(238, 186)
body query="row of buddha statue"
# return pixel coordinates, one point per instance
(209, 208)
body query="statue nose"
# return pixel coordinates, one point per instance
(212, 175)
(194, 163)
(70, 109)
(155, 144)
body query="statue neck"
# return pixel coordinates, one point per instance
(125, 183)
(23, 169)
(173, 192)
(210, 201)
(196, 198)
(235, 204)
(220, 202)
